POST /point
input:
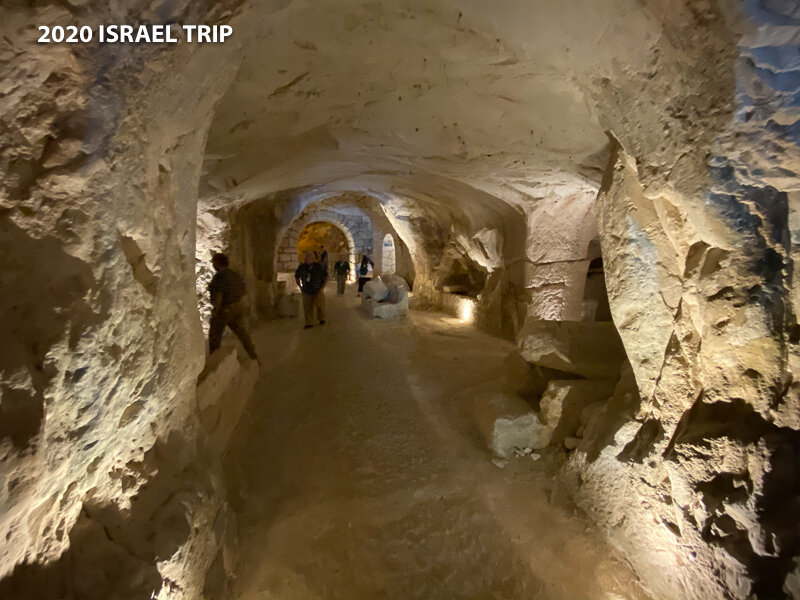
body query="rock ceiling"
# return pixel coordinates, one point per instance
(422, 99)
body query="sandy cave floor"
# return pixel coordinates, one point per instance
(357, 472)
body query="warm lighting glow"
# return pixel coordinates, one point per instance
(466, 310)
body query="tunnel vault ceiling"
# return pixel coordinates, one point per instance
(500, 97)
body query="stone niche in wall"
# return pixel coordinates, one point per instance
(464, 278)
(595, 305)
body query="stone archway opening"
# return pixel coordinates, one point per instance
(321, 236)
(355, 227)
(311, 232)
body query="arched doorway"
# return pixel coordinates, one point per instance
(388, 264)
(321, 236)
(290, 253)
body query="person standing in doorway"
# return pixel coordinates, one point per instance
(341, 270)
(311, 278)
(365, 270)
(323, 257)
(227, 289)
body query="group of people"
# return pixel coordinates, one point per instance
(227, 290)
(312, 276)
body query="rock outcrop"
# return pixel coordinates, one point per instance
(586, 349)
(563, 402)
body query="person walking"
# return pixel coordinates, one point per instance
(365, 270)
(227, 289)
(341, 270)
(311, 278)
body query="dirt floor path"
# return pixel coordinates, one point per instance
(360, 474)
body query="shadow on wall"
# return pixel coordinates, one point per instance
(464, 277)
(709, 426)
(107, 570)
(35, 268)
(595, 296)
(113, 553)
(174, 498)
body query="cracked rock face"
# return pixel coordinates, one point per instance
(505, 149)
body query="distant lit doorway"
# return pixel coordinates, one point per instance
(321, 236)
(388, 264)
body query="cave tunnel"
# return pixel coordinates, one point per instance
(570, 375)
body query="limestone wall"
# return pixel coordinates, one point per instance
(695, 476)
(711, 429)
(98, 186)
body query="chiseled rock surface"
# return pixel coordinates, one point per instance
(530, 380)
(585, 348)
(709, 452)
(101, 492)
(563, 402)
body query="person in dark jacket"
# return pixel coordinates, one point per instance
(364, 272)
(311, 278)
(341, 270)
(227, 289)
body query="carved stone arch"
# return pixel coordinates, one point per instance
(291, 236)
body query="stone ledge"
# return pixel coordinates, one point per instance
(223, 389)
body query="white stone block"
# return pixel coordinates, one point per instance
(507, 422)
(376, 290)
